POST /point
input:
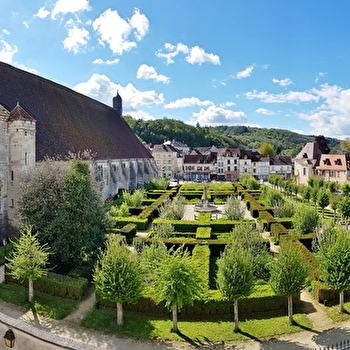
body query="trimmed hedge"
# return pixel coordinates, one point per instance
(200, 257)
(58, 285)
(203, 233)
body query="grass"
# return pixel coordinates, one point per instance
(145, 327)
(44, 304)
(334, 314)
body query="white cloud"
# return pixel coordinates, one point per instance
(289, 97)
(77, 37)
(198, 56)
(173, 51)
(69, 6)
(140, 23)
(108, 62)
(264, 111)
(42, 13)
(245, 73)
(26, 24)
(115, 31)
(149, 73)
(332, 116)
(188, 102)
(101, 88)
(5, 31)
(194, 55)
(7, 51)
(214, 115)
(282, 82)
(227, 104)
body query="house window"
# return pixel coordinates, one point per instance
(235, 161)
(228, 161)
(228, 168)
(12, 176)
(235, 168)
(26, 158)
(304, 171)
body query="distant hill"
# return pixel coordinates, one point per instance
(160, 130)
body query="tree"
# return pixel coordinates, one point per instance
(334, 257)
(345, 145)
(344, 208)
(235, 277)
(28, 259)
(117, 275)
(323, 200)
(334, 201)
(177, 282)
(305, 219)
(267, 149)
(288, 274)
(234, 209)
(346, 189)
(306, 193)
(246, 236)
(64, 207)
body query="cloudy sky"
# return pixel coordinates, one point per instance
(272, 63)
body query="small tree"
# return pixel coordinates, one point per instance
(117, 276)
(28, 259)
(346, 189)
(334, 257)
(344, 209)
(323, 200)
(177, 282)
(288, 274)
(306, 193)
(235, 277)
(305, 219)
(234, 209)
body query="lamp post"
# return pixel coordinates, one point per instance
(9, 338)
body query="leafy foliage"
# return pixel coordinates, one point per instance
(305, 219)
(234, 209)
(283, 141)
(28, 259)
(117, 275)
(64, 207)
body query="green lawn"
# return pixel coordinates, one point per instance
(145, 327)
(44, 304)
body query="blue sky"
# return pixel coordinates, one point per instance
(272, 63)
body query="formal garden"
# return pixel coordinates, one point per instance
(209, 261)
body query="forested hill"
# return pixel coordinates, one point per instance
(160, 130)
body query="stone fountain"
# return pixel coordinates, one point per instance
(205, 206)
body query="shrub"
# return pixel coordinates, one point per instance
(305, 219)
(234, 209)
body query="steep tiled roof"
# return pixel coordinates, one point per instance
(66, 120)
(333, 162)
(18, 113)
(281, 160)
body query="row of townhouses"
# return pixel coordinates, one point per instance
(176, 160)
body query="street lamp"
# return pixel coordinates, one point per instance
(9, 338)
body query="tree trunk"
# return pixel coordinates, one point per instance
(174, 312)
(235, 315)
(120, 318)
(341, 301)
(290, 310)
(31, 291)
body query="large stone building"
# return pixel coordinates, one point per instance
(39, 118)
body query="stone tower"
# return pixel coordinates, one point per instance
(4, 169)
(118, 104)
(21, 156)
